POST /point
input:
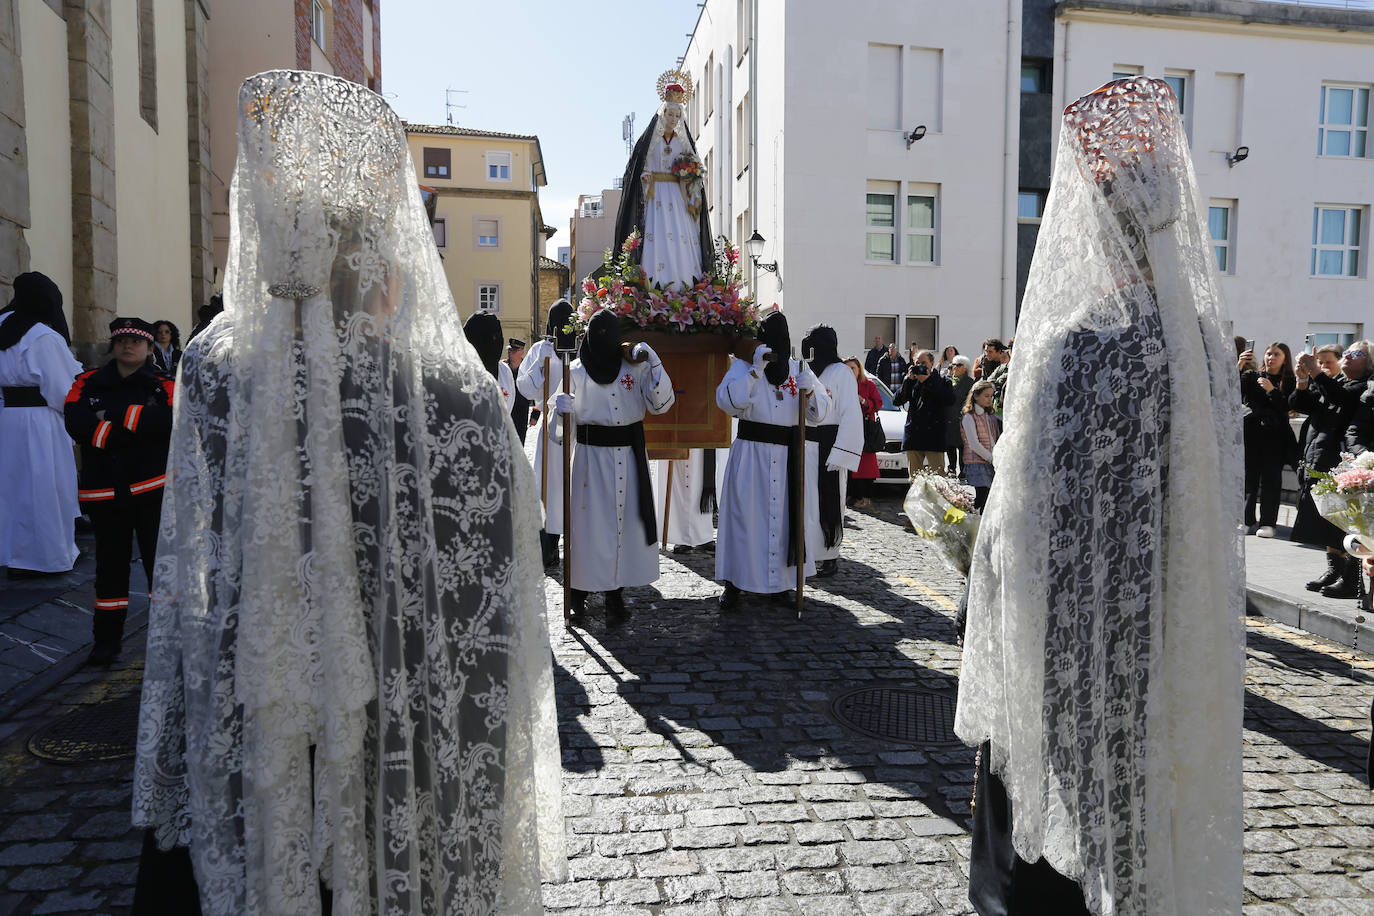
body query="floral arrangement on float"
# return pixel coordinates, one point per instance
(941, 511)
(714, 305)
(1345, 495)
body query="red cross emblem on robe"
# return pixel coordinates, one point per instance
(790, 385)
(628, 382)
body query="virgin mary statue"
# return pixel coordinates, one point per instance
(667, 205)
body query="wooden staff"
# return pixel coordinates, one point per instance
(668, 500)
(544, 442)
(569, 423)
(799, 523)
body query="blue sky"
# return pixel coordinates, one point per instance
(567, 72)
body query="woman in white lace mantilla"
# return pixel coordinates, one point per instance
(1103, 665)
(347, 704)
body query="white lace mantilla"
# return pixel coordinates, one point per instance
(1104, 654)
(348, 675)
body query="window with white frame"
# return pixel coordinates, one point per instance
(319, 22)
(1221, 226)
(1342, 335)
(488, 232)
(1030, 205)
(902, 221)
(707, 88)
(498, 165)
(742, 125)
(880, 217)
(920, 226)
(1181, 81)
(744, 20)
(1336, 240)
(1126, 71)
(488, 297)
(1343, 121)
(440, 226)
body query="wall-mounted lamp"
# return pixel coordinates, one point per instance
(754, 246)
(1241, 153)
(917, 133)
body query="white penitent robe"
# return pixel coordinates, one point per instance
(39, 508)
(609, 547)
(507, 383)
(845, 413)
(672, 238)
(685, 521)
(751, 543)
(547, 452)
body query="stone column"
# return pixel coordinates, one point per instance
(94, 264)
(14, 164)
(198, 147)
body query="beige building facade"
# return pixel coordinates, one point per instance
(592, 232)
(105, 153)
(340, 37)
(487, 222)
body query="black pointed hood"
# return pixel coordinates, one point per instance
(600, 350)
(37, 300)
(483, 331)
(775, 336)
(820, 347)
(560, 325)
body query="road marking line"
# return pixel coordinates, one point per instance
(929, 592)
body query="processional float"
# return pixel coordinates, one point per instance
(682, 297)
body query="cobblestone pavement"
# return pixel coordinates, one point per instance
(704, 772)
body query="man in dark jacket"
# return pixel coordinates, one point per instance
(892, 369)
(877, 353)
(121, 414)
(1331, 405)
(928, 395)
(520, 410)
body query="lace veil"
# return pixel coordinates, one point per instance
(348, 674)
(1104, 655)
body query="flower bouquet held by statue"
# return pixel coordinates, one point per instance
(1345, 496)
(713, 304)
(941, 511)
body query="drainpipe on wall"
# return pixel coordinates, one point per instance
(1010, 162)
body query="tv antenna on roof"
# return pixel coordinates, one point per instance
(627, 132)
(449, 104)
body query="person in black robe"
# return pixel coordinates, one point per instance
(520, 411)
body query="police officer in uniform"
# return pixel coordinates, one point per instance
(121, 414)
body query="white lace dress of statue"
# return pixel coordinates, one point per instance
(348, 675)
(1103, 667)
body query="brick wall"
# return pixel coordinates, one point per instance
(346, 48)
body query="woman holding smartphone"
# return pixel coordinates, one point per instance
(1269, 440)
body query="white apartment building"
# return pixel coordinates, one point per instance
(802, 113)
(1291, 222)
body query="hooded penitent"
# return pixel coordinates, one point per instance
(600, 349)
(483, 331)
(774, 335)
(559, 326)
(1104, 660)
(37, 300)
(820, 347)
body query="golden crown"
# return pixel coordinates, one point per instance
(675, 86)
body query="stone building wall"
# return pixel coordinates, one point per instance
(14, 184)
(345, 49)
(198, 148)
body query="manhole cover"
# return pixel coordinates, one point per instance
(104, 731)
(896, 714)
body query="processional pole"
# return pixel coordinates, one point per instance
(799, 523)
(569, 425)
(544, 444)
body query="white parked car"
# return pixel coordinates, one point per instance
(892, 467)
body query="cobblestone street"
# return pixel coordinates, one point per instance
(705, 771)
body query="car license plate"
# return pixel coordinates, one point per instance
(890, 462)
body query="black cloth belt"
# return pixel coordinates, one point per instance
(786, 436)
(23, 396)
(828, 483)
(707, 504)
(631, 437)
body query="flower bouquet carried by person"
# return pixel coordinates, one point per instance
(1345, 496)
(941, 511)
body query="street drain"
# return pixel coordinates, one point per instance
(898, 714)
(103, 731)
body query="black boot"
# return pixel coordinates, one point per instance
(729, 599)
(109, 632)
(548, 543)
(827, 568)
(1349, 584)
(1333, 572)
(615, 606)
(579, 604)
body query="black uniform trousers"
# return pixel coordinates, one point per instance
(116, 523)
(1265, 456)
